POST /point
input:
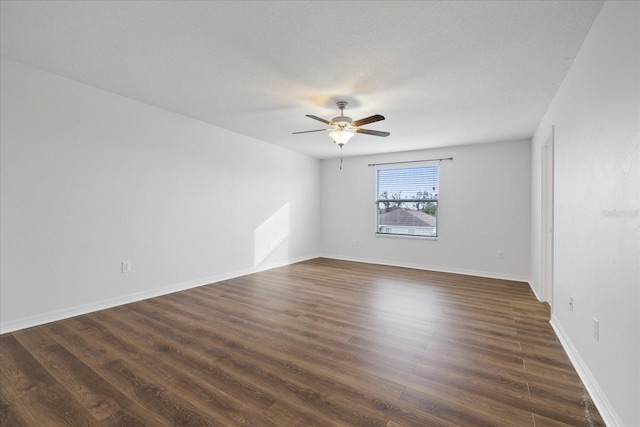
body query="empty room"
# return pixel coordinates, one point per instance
(320, 213)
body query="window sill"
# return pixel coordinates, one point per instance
(406, 236)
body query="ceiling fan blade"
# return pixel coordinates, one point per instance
(307, 131)
(367, 120)
(373, 132)
(320, 119)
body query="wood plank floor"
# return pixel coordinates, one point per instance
(322, 342)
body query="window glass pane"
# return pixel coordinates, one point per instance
(407, 202)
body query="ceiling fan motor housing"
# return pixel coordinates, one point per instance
(341, 120)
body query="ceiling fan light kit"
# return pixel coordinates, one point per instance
(341, 136)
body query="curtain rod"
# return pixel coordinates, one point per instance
(410, 161)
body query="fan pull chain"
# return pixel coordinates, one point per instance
(341, 157)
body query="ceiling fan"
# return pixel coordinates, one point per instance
(343, 127)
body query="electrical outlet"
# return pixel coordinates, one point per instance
(125, 267)
(571, 303)
(596, 329)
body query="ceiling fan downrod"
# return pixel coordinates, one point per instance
(342, 121)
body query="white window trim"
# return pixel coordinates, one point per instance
(405, 236)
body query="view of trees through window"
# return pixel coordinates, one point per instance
(407, 201)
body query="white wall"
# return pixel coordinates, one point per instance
(484, 207)
(596, 113)
(90, 179)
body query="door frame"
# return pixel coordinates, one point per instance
(547, 232)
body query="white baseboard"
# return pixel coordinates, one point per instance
(65, 313)
(478, 273)
(534, 289)
(598, 396)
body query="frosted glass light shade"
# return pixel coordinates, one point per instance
(341, 137)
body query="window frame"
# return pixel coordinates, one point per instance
(435, 200)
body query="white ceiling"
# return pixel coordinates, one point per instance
(443, 73)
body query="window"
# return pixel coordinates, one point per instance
(407, 201)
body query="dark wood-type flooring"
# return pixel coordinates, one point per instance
(321, 342)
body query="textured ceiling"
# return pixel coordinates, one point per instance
(443, 73)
